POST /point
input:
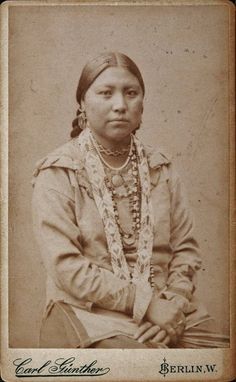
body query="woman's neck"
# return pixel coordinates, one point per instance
(115, 162)
(106, 149)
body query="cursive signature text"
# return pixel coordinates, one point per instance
(58, 367)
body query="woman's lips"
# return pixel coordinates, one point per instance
(119, 120)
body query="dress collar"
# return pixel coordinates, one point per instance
(68, 156)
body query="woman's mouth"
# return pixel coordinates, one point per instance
(122, 120)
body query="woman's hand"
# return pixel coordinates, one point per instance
(168, 316)
(152, 333)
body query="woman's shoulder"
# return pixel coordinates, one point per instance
(157, 157)
(160, 165)
(66, 156)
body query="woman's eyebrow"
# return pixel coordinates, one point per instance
(112, 86)
(104, 86)
(134, 86)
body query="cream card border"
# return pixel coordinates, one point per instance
(129, 365)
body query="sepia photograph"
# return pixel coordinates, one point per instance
(117, 175)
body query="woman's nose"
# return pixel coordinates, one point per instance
(119, 103)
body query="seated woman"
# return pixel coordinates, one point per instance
(114, 228)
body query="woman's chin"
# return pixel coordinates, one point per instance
(119, 137)
(120, 133)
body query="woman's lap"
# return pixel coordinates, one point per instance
(62, 329)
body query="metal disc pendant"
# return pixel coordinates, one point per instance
(117, 180)
(128, 240)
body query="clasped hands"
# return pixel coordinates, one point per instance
(163, 324)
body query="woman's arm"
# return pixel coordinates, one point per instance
(186, 260)
(166, 310)
(59, 239)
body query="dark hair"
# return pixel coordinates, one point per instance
(93, 69)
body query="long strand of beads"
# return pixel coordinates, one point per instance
(135, 199)
(151, 279)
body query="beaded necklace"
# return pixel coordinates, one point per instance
(134, 194)
(99, 151)
(141, 204)
(129, 239)
(113, 153)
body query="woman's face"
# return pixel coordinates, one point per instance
(114, 106)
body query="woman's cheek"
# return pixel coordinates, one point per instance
(138, 106)
(137, 111)
(94, 112)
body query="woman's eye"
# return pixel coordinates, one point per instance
(132, 93)
(106, 93)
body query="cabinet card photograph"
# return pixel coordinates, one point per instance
(117, 177)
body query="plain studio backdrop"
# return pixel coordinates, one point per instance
(182, 52)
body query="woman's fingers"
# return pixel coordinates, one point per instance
(160, 336)
(171, 333)
(166, 340)
(149, 334)
(180, 328)
(181, 319)
(142, 329)
(176, 329)
(179, 325)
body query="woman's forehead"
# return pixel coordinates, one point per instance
(116, 76)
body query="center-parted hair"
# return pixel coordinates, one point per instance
(93, 69)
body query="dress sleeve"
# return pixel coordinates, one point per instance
(59, 239)
(186, 259)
